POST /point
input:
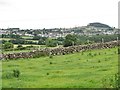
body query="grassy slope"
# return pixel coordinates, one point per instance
(6, 39)
(74, 71)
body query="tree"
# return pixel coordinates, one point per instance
(11, 36)
(60, 39)
(20, 47)
(51, 43)
(37, 37)
(42, 41)
(70, 40)
(8, 45)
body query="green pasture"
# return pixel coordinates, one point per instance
(89, 69)
(36, 46)
(25, 45)
(27, 37)
(32, 40)
(15, 51)
(6, 39)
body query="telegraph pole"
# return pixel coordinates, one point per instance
(73, 43)
(117, 38)
(102, 40)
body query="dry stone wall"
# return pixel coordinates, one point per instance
(59, 51)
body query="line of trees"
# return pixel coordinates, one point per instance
(78, 40)
(11, 36)
(69, 40)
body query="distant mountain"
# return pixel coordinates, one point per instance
(99, 25)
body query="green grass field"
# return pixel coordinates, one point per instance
(17, 51)
(37, 47)
(24, 45)
(27, 37)
(6, 39)
(90, 69)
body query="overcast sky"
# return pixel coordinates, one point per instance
(33, 14)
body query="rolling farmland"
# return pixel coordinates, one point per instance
(89, 69)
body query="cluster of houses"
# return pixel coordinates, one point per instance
(89, 30)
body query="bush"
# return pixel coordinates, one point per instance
(90, 54)
(99, 53)
(11, 74)
(47, 73)
(51, 43)
(8, 45)
(50, 56)
(95, 54)
(99, 61)
(50, 62)
(16, 73)
(20, 47)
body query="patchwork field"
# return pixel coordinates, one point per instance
(25, 50)
(89, 69)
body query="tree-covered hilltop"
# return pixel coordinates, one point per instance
(99, 25)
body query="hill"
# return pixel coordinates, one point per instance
(99, 25)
